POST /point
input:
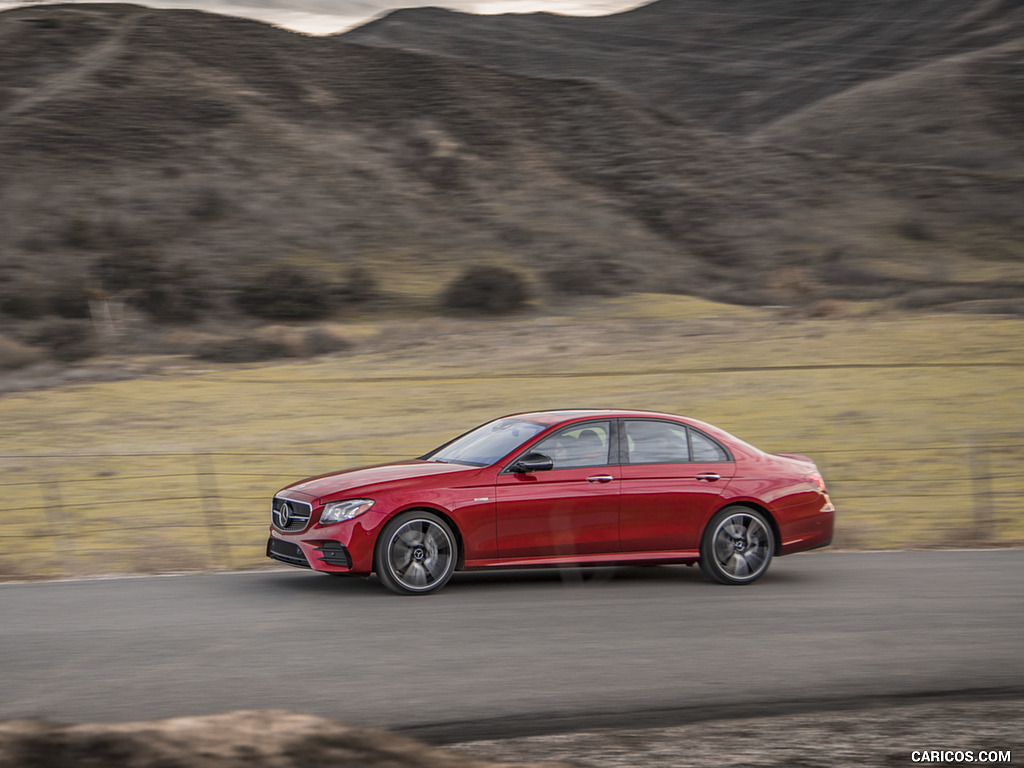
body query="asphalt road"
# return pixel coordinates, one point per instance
(515, 652)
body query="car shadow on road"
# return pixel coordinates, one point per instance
(310, 583)
(577, 577)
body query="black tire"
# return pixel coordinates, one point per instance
(737, 546)
(416, 553)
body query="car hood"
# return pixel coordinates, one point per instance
(352, 479)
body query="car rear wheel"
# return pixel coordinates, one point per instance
(416, 553)
(737, 546)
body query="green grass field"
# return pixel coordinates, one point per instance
(916, 421)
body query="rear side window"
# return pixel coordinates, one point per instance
(662, 442)
(656, 442)
(703, 448)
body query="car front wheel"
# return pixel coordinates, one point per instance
(737, 546)
(416, 553)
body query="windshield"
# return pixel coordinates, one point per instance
(485, 445)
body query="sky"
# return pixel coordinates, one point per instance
(324, 17)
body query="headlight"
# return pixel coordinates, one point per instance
(339, 511)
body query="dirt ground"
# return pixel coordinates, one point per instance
(883, 735)
(249, 739)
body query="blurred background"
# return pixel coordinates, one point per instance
(234, 254)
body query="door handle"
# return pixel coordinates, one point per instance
(600, 479)
(708, 477)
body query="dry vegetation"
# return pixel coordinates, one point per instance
(252, 739)
(913, 418)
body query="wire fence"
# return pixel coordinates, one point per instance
(90, 513)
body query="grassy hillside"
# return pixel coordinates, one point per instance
(162, 168)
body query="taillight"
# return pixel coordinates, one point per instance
(816, 480)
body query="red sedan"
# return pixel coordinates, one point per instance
(559, 488)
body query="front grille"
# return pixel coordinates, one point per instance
(289, 515)
(286, 552)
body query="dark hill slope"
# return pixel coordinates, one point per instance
(965, 111)
(151, 143)
(732, 65)
(227, 144)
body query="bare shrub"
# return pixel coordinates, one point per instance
(914, 229)
(495, 290)
(824, 308)
(794, 286)
(82, 233)
(322, 341)
(177, 296)
(67, 340)
(168, 293)
(844, 279)
(360, 285)
(70, 300)
(209, 205)
(127, 270)
(598, 277)
(25, 299)
(245, 349)
(14, 354)
(285, 292)
(933, 296)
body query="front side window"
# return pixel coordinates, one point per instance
(485, 445)
(581, 445)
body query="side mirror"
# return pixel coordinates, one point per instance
(533, 462)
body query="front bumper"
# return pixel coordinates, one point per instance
(325, 555)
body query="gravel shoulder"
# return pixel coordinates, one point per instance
(880, 734)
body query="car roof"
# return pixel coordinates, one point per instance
(559, 416)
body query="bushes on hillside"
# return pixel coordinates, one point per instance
(25, 299)
(360, 286)
(495, 290)
(285, 292)
(178, 295)
(67, 340)
(123, 271)
(245, 349)
(70, 300)
(30, 299)
(271, 343)
(173, 293)
(14, 354)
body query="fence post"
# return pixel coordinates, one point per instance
(209, 503)
(981, 490)
(53, 499)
